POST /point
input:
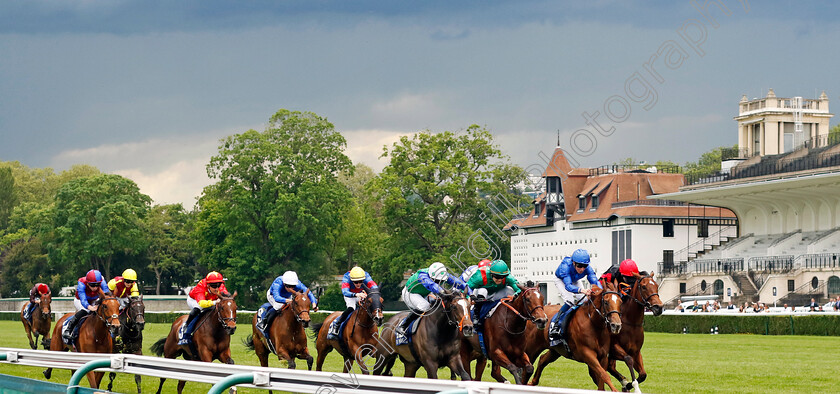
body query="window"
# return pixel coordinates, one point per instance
(594, 202)
(682, 287)
(667, 228)
(668, 258)
(537, 207)
(702, 228)
(581, 203)
(621, 246)
(791, 285)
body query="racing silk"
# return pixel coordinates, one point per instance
(421, 283)
(611, 273)
(482, 279)
(35, 294)
(203, 296)
(278, 291)
(87, 296)
(117, 286)
(348, 290)
(567, 273)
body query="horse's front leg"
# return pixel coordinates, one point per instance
(618, 353)
(640, 367)
(527, 368)
(457, 367)
(544, 360)
(283, 354)
(596, 370)
(304, 355)
(499, 356)
(32, 344)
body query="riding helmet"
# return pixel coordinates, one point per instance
(215, 277)
(290, 278)
(93, 276)
(580, 256)
(437, 271)
(357, 273)
(499, 267)
(129, 274)
(484, 263)
(628, 268)
(43, 289)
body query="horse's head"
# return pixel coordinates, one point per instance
(109, 311)
(608, 302)
(533, 302)
(457, 310)
(226, 308)
(136, 311)
(646, 292)
(373, 304)
(300, 307)
(45, 304)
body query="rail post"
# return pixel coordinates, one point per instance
(90, 366)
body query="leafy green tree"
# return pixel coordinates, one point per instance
(708, 164)
(8, 199)
(96, 217)
(436, 195)
(22, 264)
(332, 299)
(169, 254)
(275, 200)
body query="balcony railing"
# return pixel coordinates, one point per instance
(656, 203)
(650, 168)
(724, 266)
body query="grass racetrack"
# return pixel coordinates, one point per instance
(675, 363)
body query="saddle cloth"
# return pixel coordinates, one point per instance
(412, 329)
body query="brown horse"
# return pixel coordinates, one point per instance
(94, 334)
(589, 335)
(359, 336)
(132, 321)
(41, 320)
(211, 337)
(286, 333)
(436, 342)
(504, 339)
(627, 345)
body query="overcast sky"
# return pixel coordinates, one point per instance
(146, 89)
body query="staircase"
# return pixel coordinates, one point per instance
(802, 295)
(749, 293)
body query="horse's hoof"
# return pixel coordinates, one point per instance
(506, 381)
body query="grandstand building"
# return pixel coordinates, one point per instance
(783, 184)
(607, 211)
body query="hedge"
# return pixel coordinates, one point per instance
(241, 317)
(821, 325)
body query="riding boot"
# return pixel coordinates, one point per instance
(406, 323)
(266, 320)
(557, 321)
(67, 334)
(336, 324)
(187, 327)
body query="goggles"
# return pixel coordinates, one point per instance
(497, 276)
(215, 285)
(93, 284)
(579, 265)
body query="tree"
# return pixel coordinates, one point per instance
(275, 200)
(436, 195)
(168, 251)
(8, 199)
(94, 218)
(708, 164)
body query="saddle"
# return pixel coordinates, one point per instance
(74, 336)
(562, 336)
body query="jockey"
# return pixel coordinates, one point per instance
(88, 289)
(426, 283)
(569, 274)
(124, 286)
(467, 274)
(35, 294)
(280, 293)
(204, 295)
(623, 276)
(354, 288)
(492, 284)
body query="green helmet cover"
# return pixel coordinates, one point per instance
(499, 267)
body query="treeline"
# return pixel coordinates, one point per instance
(286, 198)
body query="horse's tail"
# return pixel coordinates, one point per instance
(249, 342)
(316, 328)
(157, 347)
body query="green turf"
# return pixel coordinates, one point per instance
(675, 363)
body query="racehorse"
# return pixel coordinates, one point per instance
(41, 320)
(210, 341)
(436, 342)
(503, 333)
(132, 321)
(359, 333)
(627, 345)
(94, 334)
(286, 333)
(588, 335)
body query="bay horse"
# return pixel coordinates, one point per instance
(627, 344)
(41, 320)
(588, 335)
(286, 333)
(95, 334)
(359, 336)
(503, 333)
(436, 342)
(132, 322)
(210, 338)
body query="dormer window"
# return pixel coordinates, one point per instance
(595, 202)
(537, 209)
(581, 203)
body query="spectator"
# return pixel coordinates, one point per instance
(837, 304)
(813, 305)
(695, 307)
(730, 306)
(793, 308)
(717, 306)
(785, 308)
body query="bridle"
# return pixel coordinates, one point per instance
(448, 311)
(366, 308)
(529, 316)
(41, 305)
(132, 311)
(643, 302)
(606, 315)
(222, 319)
(105, 319)
(295, 310)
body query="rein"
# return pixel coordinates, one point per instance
(505, 301)
(646, 301)
(449, 310)
(99, 311)
(603, 303)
